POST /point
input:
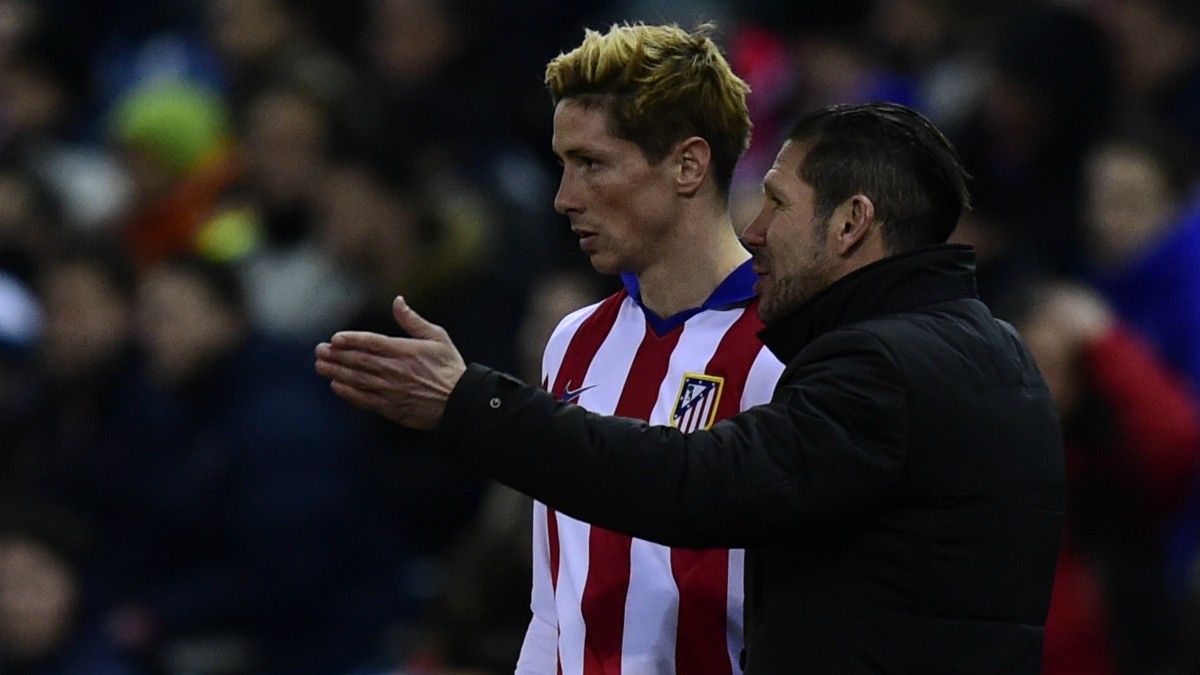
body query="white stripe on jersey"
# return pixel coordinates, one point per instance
(697, 344)
(760, 383)
(651, 612)
(572, 575)
(610, 367)
(737, 573)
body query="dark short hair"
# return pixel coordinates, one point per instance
(893, 155)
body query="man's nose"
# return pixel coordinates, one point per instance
(754, 235)
(565, 200)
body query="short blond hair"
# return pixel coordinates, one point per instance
(659, 85)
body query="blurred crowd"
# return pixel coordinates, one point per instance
(195, 192)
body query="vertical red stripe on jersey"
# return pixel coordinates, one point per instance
(585, 343)
(733, 358)
(607, 587)
(552, 536)
(703, 581)
(703, 576)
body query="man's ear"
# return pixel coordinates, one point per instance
(692, 158)
(856, 221)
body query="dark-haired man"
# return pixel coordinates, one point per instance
(900, 498)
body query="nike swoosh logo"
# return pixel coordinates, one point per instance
(570, 395)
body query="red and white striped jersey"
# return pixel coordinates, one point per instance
(605, 603)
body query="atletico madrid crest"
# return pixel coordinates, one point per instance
(696, 406)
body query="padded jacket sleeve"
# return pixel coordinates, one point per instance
(830, 446)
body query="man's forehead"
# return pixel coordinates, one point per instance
(587, 132)
(579, 113)
(789, 158)
(576, 123)
(787, 165)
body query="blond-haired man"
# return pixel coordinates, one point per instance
(649, 123)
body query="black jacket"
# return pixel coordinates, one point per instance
(900, 498)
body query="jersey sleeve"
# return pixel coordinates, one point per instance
(540, 648)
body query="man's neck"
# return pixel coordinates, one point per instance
(689, 270)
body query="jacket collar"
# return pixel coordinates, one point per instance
(897, 283)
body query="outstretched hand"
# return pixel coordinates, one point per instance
(407, 380)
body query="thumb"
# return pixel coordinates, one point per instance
(415, 324)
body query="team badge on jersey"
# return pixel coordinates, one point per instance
(696, 405)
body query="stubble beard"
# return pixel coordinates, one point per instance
(790, 292)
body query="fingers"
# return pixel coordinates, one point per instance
(359, 369)
(358, 377)
(415, 324)
(362, 341)
(406, 380)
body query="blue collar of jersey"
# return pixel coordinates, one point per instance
(738, 287)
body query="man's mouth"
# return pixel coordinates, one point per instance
(587, 238)
(764, 273)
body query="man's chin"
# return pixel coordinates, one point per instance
(604, 266)
(766, 299)
(767, 313)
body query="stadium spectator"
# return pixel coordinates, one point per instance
(1132, 437)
